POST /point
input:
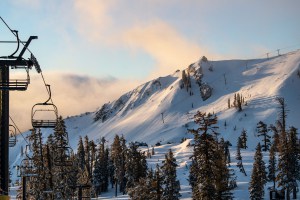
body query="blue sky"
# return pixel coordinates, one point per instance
(136, 39)
(92, 51)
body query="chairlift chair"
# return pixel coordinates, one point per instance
(44, 115)
(27, 168)
(12, 136)
(17, 62)
(16, 84)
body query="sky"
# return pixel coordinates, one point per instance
(92, 51)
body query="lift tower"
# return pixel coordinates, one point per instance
(7, 85)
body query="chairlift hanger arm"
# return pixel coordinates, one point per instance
(49, 92)
(18, 41)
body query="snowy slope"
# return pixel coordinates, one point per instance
(161, 111)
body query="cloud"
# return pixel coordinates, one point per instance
(92, 19)
(72, 94)
(35, 4)
(171, 50)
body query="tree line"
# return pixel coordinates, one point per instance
(53, 171)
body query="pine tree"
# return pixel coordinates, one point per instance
(209, 163)
(263, 132)
(37, 181)
(258, 176)
(193, 174)
(80, 154)
(294, 153)
(93, 155)
(157, 183)
(101, 170)
(204, 187)
(272, 166)
(144, 188)
(62, 161)
(87, 156)
(223, 176)
(171, 184)
(118, 150)
(238, 157)
(275, 137)
(286, 176)
(135, 167)
(244, 139)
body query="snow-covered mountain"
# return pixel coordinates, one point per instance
(162, 110)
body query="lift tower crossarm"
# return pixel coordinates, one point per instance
(26, 46)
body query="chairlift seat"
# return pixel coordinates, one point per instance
(44, 115)
(16, 84)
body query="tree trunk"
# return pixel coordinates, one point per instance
(287, 193)
(116, 188)
(294, 192)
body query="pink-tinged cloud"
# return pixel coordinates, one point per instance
(169, 48)
(91, 18)
(72, 94)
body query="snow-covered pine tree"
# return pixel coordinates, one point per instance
(171, 186)
(263, 132)
(258, 176)
(36, 182)
(272, 166)
(61, 168)
(239, 158)
(244, 139)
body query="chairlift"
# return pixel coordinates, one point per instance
(63, 156)
(15, 83)
(17, 62)
(44, 115)
(27, 167)
(12, 136)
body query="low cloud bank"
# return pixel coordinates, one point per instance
(72, 94)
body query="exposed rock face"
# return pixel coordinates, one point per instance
(206, 91)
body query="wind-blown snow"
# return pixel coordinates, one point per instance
(160, 111)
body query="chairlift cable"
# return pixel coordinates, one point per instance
(12, 31)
